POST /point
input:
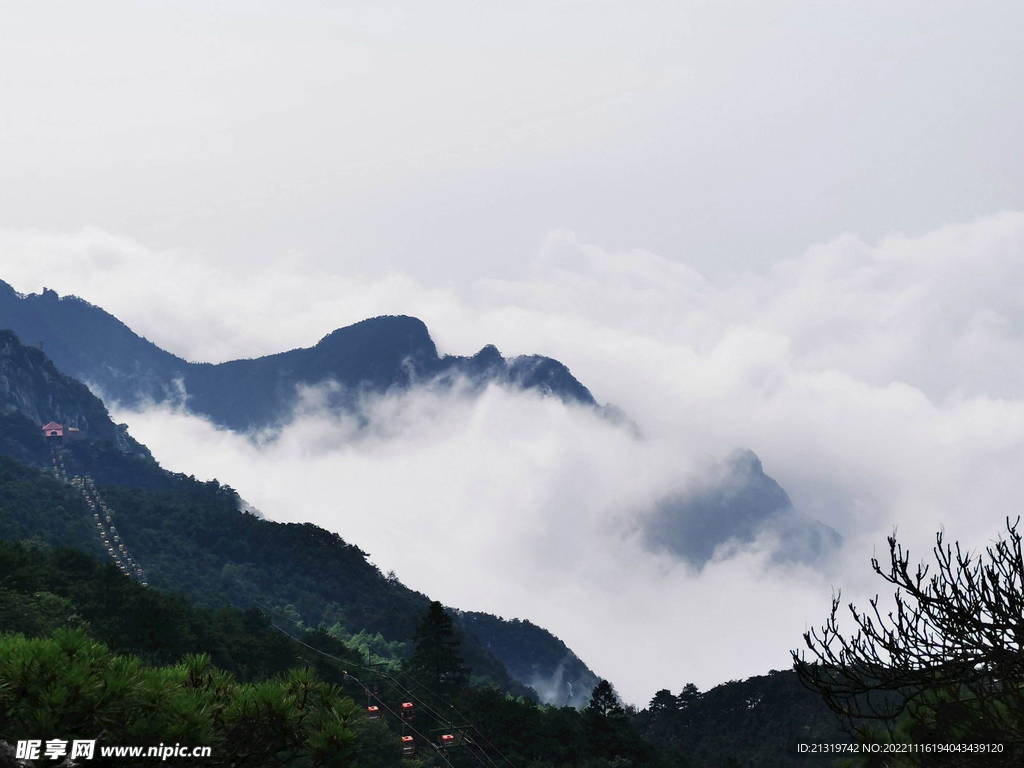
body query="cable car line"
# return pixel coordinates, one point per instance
(86, 486)
(405, 723)
(467, 725)
(464, 728)
(391, 680)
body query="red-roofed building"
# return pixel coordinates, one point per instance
(53, 429)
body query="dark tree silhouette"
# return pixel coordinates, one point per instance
(605, 702)
(688, 696)
(437, 660)
(946, 662)
(663, 702)
(606, 730)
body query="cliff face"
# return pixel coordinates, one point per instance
(30, 385)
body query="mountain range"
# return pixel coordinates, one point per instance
(369, 357)
(736, 503)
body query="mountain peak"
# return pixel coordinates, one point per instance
(389, 334)
(371, 356)
(385, 324)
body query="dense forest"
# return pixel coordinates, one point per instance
(58, 605)
(193, 540)
(70, 622)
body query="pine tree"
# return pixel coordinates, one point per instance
(605, 702)
(688, 696)
(437, 660)
(663, 703)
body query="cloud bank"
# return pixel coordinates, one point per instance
(877, 382)
(515, 504)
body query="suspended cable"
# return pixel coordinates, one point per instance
(465, 727)
(405, 723)
(394, 683)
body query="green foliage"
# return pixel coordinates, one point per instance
(191, 538)
(21, 439)
(40, 590)
(71, 686)
(606, 731)
(38, 613)
(663, 703)
(372, 647)
(604, 702)
(35, 505)
(525, 732)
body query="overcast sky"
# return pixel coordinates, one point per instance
(791, 227)
(445, 138)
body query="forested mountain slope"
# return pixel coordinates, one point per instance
(535, 656)
(188, 535)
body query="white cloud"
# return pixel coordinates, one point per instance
(877, 383)
(519, 505)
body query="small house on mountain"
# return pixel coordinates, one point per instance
(53, 429)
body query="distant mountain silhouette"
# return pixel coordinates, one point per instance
(736, 503)
(372, 356)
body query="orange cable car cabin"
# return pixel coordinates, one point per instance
(408, 746)
(373, 713)
(408, 711)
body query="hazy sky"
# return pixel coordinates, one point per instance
(444, 139)
(697, 207)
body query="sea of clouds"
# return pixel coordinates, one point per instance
(879, 383)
